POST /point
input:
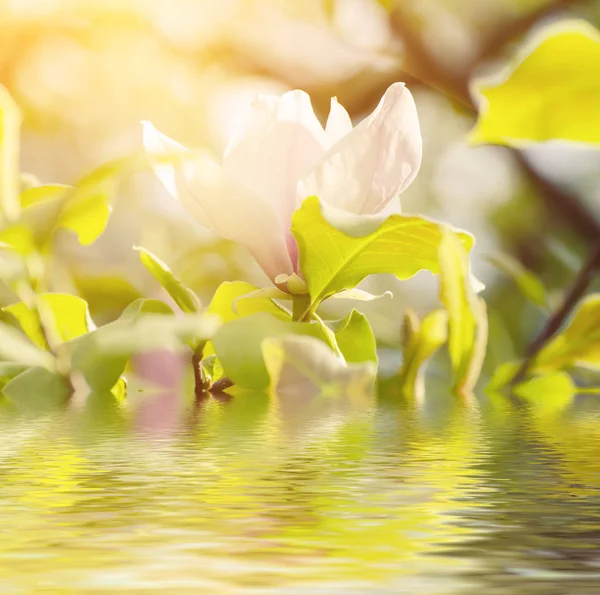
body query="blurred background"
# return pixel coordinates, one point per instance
(85, 72)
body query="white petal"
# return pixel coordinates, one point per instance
(339, 123)
(375, 162)
(224, 205)
(279, 143)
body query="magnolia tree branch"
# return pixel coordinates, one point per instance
(571, 299)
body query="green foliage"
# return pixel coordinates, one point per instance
(547, 393)
(238, 345)
(551, 90)
(38, 389)
(15, 348)
(527, 282)
(578, 344)
(467, 319)
(302, 367)
(10, 124)
(70, 317)
(355, 339)
(337, 251)
(184, 297)
(421, 339)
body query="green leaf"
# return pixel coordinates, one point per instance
(38, 389)
(503, 374)
(14, 347)
(355, 339)
(467, 319)
(529, 284)
(549, 393)
(303, 367)
(10, 130)
(238, 345)
(550, 90)
(145, 306)
(337, 251)
(421, 340)
(228, 302)
(578, 344)
(70, 315)
(184, 297)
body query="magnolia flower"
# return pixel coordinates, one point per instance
(281, 155)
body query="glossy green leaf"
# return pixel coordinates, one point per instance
(16, 348)
(10, 130)
(467, 319)
(338, 250)
(37, 389)
(184, 297)
(421, 340)
(69, 313)
(550, 90)
(355, 339)
(238, 345)
(303, 367)
(528, 283)
(578, 344)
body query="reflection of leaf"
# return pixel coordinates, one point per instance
(549, 393)
(304, 367)
(467, 319)
(578, 344)
(184, 297)
(69, 313)
(333, 260)
(238, 345)
(10, 127)
(421, 341)
(528, 283)
(550, 91)
(355, 339)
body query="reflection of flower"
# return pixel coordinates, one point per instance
(281, 155)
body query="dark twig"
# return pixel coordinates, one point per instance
(571, 299)
(199, 388)
(220, 385)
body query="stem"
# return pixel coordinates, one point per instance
(199, 389)
(571, 299)
(220, 385)
(301, 306)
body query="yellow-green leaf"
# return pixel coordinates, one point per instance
(550, 90)
(10, 129)
(467, 320)
(38, 389)
(421, 340)
(302, 367)
(69, 313)
(578, 344)
(14, 347)
(338, 250)
(238, 345)
(548, 393)
(355, 339)
(184, 297)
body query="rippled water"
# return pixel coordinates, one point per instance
(252, 496)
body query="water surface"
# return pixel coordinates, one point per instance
(255, 496)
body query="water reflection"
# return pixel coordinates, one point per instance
(252, 495)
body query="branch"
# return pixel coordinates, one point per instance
(571, 299)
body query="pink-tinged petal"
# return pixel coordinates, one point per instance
(280, 141)
(339, 123)
(222, 204)
(375, 162)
